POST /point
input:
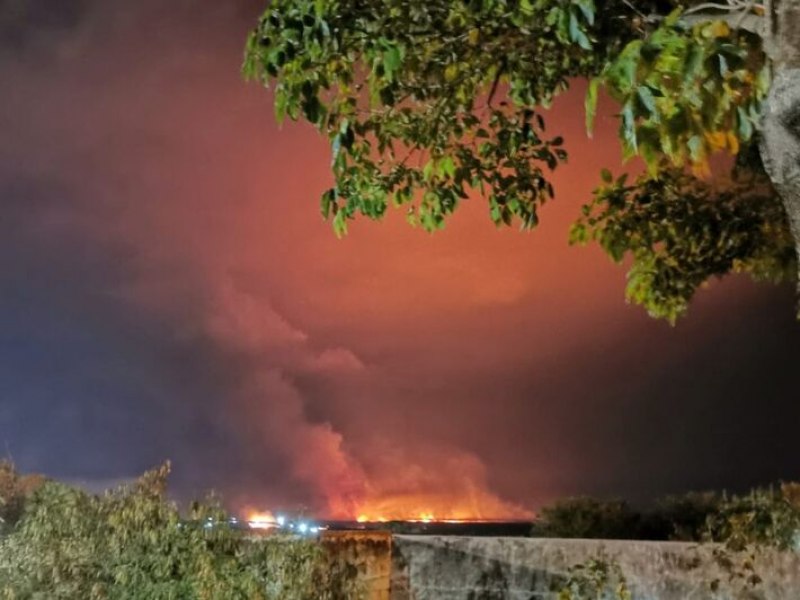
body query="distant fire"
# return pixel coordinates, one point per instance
(430, 508)
(262, 520)
(389, 510)
(423, 517)
(454, 489)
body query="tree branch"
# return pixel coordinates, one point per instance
(500, 70)
(747, 21)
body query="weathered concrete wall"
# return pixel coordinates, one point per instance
(470, 568)
(369, 552)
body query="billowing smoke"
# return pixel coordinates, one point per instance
(270, 354)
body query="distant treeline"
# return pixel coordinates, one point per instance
(769, 514)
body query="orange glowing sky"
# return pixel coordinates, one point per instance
(170, 291)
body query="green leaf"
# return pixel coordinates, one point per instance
(583, 41)
(647, 99)
(326, 203)
(696, 148)
(574, 28)
(587, 8)
(392, 59)
(427, 170)
(576, 34)
(590, 104)
(744, 125)
(447, 167)
(628, 127)
(340, 224)
(693, 62)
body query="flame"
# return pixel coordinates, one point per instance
(426, 483)
(432, 507)
(261, 520)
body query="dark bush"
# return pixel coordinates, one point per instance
(584, 517)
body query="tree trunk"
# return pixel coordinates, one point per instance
(780, 144)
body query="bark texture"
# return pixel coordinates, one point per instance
(782, 31)
(780, 146)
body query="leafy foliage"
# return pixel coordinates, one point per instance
(585, 517)
(766, 517)
(685, 92)
(15, 489)
(132, 543)
(680, 231)
(741, 528)
(691, 517)
(423, 101)
(684, 517)
(426, 103)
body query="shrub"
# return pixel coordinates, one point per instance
(132, 543)
(15, 489)
(764, 517)
(683, 518)
(584, 517)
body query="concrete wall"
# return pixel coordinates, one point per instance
(470, 568)
(369, 552)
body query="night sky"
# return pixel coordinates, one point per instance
(168, 290)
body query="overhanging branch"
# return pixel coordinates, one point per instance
(748, 21)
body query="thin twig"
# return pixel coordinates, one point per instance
(730, 6)
(500, 70)
(634, 9)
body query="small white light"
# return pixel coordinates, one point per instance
(281, 520)
(302, 527)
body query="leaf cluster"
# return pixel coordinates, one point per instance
(678, 231)
(685, 92)
(15, 489)
(426, 101)
(586, 518)
(764, 519)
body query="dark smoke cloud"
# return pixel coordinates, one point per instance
(27, 22)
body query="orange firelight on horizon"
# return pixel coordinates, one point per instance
(261, 520)
(430, 508)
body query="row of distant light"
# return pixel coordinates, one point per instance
(281, 522)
